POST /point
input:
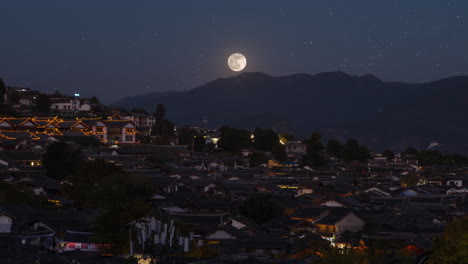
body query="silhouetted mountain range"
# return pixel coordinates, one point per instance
(380, 114)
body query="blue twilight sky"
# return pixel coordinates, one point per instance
(115, 48)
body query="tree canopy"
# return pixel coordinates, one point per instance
(335, 148)
(186, 135)
(435, 157)
(94, 100)
(452, 246)
(352, 150)
(42, 104)
(61, 160)
(163, 128)
(261, 208)
(279, 152)
(233, 138)
(388, 154)
(313, 156)
(286, 137)
(257, 159)
(121, 197)
(265, 139)
(409, 179)
(2, 90)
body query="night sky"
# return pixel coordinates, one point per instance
(115, 48)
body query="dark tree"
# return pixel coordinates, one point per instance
(456, 160)
(186, 135)
(13, 97)
(200, 143)
(335, 148)
(285, 137)
(6, 109)
(87, 175)
(163, 128)
(313, 156)
(233, 138)
(42, 104)
(160, 113)
(61, 160)
(389, 154)
(57, 93)
(265, 139)
(257, 159)
(452, 246)
(353, 151)
(2, 91)
(364, 153)
(409, 151)
(94, 100)
(121, 199)
(279, 152)
(261, 208)
(430, 157)
(409, 180)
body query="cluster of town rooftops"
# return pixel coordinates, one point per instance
(112, 130)
(342, 204)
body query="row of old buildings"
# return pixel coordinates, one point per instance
(115, 129)
(354, 204)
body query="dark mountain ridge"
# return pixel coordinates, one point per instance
(381, 114)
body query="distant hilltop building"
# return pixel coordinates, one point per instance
(295, 149)
(64, 104)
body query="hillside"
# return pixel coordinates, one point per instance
(381, 114)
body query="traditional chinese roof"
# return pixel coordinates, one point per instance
(72, 124)
(117, 123)
(93, 122)
(20, 155)
(20, 122)
(18, 135)
(45, 123)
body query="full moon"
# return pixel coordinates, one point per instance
(237, 62)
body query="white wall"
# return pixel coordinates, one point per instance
(220, 234)
(5, 224)
(350, 222)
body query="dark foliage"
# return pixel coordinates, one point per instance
(2, 90)
(42, 104)
(233, 138)
(286, 137)
(265, 139)
(261, 208)
(313, 156)
(257, 158)
(121, 198)
(186, 136)
(94, 100)
(61, 160)
(389, 154)
(279, 152)
(163, 129)
(335, 148)
(353, 151)
(452, 246)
